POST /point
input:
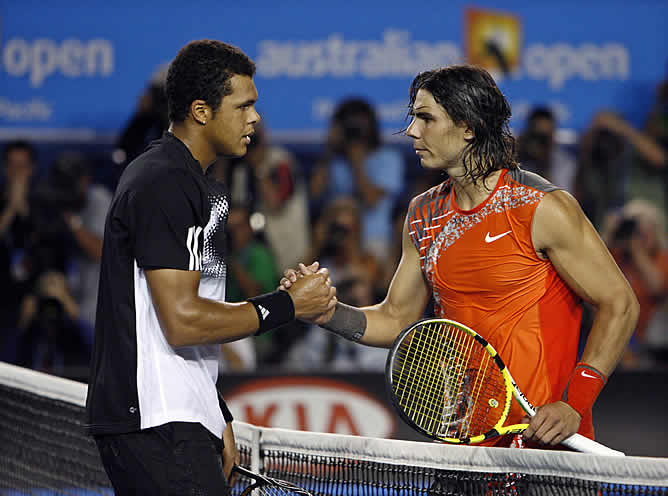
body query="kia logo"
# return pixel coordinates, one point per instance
(311, 404)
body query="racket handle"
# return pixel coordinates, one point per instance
(586, 445)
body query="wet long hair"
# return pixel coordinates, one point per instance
(470, 96)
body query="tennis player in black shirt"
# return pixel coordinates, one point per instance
(152, 403)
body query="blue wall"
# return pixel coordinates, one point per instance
(78, 68)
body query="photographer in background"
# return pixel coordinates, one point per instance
(269, 182)
(356, 164)
(148, 121)
(637, 240)
(51, 337)
(619, 162)
(357, 274)
(337, 243)
(251, 270)
(539, 152)
(605, 162)
(18, 167)
(69, 213)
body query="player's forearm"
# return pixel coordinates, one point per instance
(204, 321)
(613, 325)
(376, 325)
(384, 325)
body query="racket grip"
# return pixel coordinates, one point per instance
(581, 443)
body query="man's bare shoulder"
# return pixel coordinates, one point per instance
(557, 217)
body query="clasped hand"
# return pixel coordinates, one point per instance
(312, 278)
(311, 291)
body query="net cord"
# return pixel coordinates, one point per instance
(630, 470)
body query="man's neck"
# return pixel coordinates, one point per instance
(195, 142)
(470, 195)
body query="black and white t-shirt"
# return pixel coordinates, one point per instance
(166, 214)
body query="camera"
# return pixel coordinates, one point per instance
(355, 128)
(61, 191)
(536, 138)
(335, 239)
(605, 146)
(626, 229)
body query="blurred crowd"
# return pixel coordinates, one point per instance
(343, 205)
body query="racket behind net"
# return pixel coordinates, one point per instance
(448, 383)
(259, 485)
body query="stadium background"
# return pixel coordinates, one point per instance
(71, 74)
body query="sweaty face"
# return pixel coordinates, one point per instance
(235, 118)
(437, 140)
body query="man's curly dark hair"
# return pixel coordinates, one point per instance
(470, 96)
(201, 71)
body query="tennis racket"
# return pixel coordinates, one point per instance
(259, 485)
(448, 383)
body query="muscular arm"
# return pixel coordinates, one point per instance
(562, 232)
(405, 301)
(188, 319)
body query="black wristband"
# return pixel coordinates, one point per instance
(273, 310)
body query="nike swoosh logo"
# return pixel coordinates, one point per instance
(489, 239)
(585, 374)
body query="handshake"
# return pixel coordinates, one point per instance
(312, 293)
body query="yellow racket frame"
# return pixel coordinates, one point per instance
(510, 386)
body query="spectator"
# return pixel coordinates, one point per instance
(539, 152)
(357, 275)
(51, 338)
(268, 181)
(19, 160)
(147, 122)
(355, 163)
(620, 162)
(638, 242)
(605, 162)
(650, 145)
(70, 212)
(319, 350)
(337, 243)
(252, 269)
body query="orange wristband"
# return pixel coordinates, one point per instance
(583, 387)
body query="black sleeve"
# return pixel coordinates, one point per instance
(168, 223)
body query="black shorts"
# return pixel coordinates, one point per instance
(178, 458)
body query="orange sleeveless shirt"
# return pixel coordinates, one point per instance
(484, 272)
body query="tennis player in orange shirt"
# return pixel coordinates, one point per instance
(504, 252)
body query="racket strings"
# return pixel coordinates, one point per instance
(461, 350)
(421, 376)
(415, 370)
(446, 382)
(422, 383)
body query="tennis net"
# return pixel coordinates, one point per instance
(44, 451)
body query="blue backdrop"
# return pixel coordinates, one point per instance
(78, 68)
